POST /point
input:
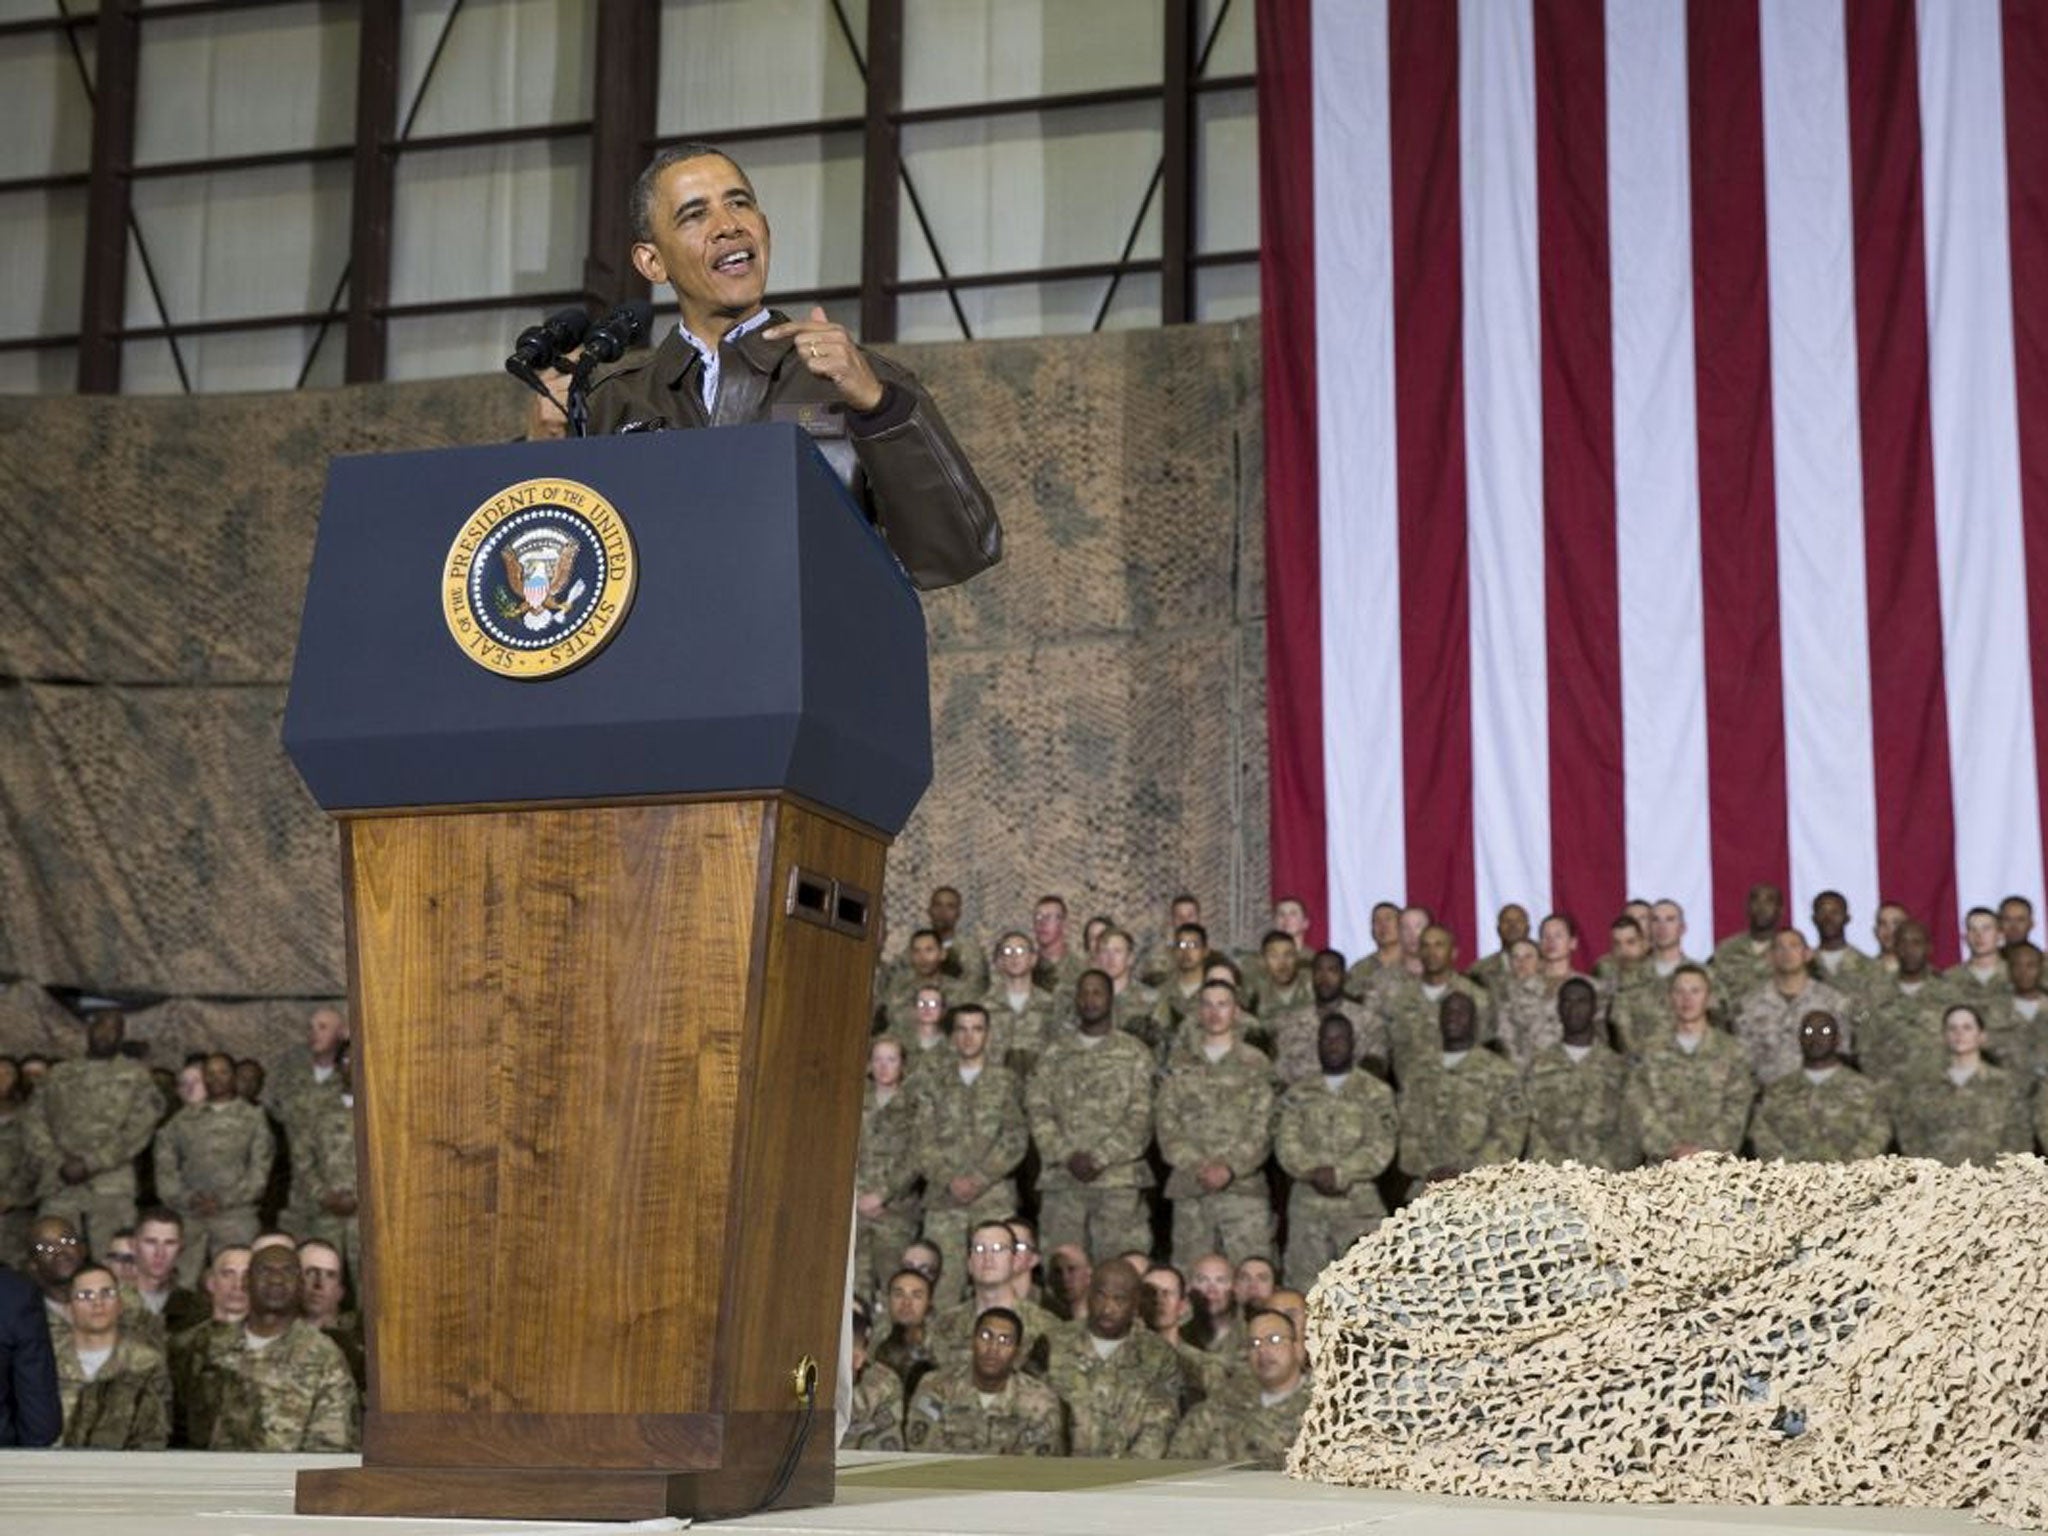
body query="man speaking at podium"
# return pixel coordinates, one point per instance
(731, 360)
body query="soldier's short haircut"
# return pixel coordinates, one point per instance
(959, 1010)
(1050, 901)
(158, 1215)
(1258, 1312)
(915, 1274)
(1196, 929)
(926, 933)
(1219, 982)
(945, 890)
(1257, 1258)
(1276, 935)
(2017, 901)
(1329, 954)
(2022, 944)
(1980, 912)
(1575, 983)
(1224, 963)
(1094, 971)
(1824, 895)
(1162, 1267)
(1114, 932)
(1345, 1020)
(999, 1223)
(1969, 1008)
(1625, 924)
(1689, 969)
(1188, 897)
(1571, 924)
(1001, 1315)
(641, 203)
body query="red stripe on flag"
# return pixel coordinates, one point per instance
(1738, 498)
(1588, 857)
(1916, 834)
(2026, 170)
(1294, 623)
(1429, 439)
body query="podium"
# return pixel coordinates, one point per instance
(617, 733)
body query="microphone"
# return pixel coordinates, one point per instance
(544, 345)
(605, 342)
(608, 340)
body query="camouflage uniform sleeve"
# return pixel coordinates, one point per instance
(331, 1422)
(1247, 1150)
(1129, 1129)
(1156, 1424)
(1290, 1139)
(1012, 1138)
(1374, 1152)
(1412, 1136)
(1738, 1092)
(1198, 1437)
(1042, 1114)
(1507, 1126)
(169, 1159)
(1169, 1113)
(1764, 1137)
(1642, 1121)
(42, 1146)
(257, 1153)
(141, 1110)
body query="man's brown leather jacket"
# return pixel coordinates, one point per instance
(899, 461)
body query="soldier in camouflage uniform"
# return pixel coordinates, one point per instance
(887, 1211)
(1836, 961)
(1131, 1002)
(992, 1282)
(1901, 1040)
(1512, 926)
(1278, 982)
(1165, 1309)
(1767, 1021)
(294, 1392)
(970, 1135)
(1058, 964)
(306, 1077)
(1691, 1091)
(926, 1048)
(875, 1422)
(322, 1293)
(1388, 956)
(1980, 978)
(1213, 1114)
(1742, 962)
(1178, 993)
(1409, 1005)
(921, 969)
(1295, 1035)
(1627, 980)
(1090, 1104)
(116, 1389)
(212, 1163)
(1827, 1112)
(987, 1405)
(1524, 1009)
(1970, 1113)
(1119, 1383)
(327, 1127)
(1462, 1110)
(1336, 1135)
(963, 960)
(1258, 1421)
(1020, 1012)
(902, 1346)
(1574, 1089)
(19, 1176)
(2018, 1034)
(85, 1126)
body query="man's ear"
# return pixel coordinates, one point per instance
(647, 262)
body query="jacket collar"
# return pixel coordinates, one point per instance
(674, 358)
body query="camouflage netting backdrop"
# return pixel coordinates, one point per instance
(1097, 700)
(1708, 1331)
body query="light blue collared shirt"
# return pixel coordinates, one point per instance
(708, 386)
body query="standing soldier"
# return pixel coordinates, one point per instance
(1120, 1384)
(1463, 1110)
(116, 1388)
(1980, 977)
(886, 1207)
(1336, 1135)
(306, 1075)
(1767, 1019)
(1836, 961)
(212, 1163)
(919, 969)
(1901, 1041)
(1574, 1090)
(1179, 991)
(1090, 1104)
(1970, 1113)
(1635, 992)
(1410, 1005)
(1020, 1011)
(1827, 1111)
(327, 1126)
(970, 1136)
(1131, 1001)
(1691, 1091)
(86, 1125)
(1213, 1115)
(989, 1405)
(1742, 961)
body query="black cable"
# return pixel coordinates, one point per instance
(793, 1454)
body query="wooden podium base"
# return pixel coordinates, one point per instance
(608, 1067)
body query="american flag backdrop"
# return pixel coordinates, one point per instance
(1656, 454)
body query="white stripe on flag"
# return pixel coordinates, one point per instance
(1504, 455)
(1976, 451)
(1830, 778)
(1359, 512)
(1656, 443)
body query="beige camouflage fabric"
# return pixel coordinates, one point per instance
(1837, 1119)
(293, 1394)
(947, 1414)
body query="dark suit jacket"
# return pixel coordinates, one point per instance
(30, 1410)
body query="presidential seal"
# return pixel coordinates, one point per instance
(539, 579)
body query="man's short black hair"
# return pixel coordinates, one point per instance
(1276, 936)
(1004, 1315)
(641, 207)
(162, 1215)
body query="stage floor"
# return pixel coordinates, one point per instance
(94, 1493)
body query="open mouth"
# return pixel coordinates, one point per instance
(735, 263)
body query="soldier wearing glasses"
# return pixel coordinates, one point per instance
(988, 1405)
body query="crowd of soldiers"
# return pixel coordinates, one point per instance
(193, 1235)
(1184, 1126)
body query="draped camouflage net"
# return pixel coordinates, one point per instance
(1709, 1331)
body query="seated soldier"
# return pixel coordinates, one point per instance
(1258, 1423)
(191, 1349)
(1164, 1308)
(1827, 1112)
(159, 1248)
(1691, 1091)
(1335, 1135)
(876, 1420)
(987, 1404)
(1252, 1283)
(116, 1389)
(1058, 963)
(887, 1209)
(1970, 1113)
(277, 1382)
(1120, 1384)
(1463, 1109)
(1574, 1089)
(55, 1255)
(1024, 1259)
(1071, 1276)
(322, 1274)
(1278, 983)
(902, 1348)
(949, 1337)
(925, 1258)
(1218, 1326)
